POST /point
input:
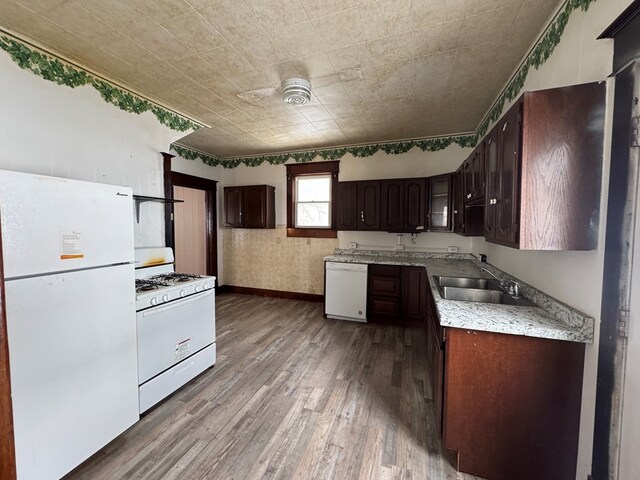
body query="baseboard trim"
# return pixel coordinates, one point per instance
(263, 292)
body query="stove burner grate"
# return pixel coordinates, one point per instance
(147, 285)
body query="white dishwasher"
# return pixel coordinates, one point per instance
(346, 291)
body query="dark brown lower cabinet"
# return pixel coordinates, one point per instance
(396, 294)
(511, 404)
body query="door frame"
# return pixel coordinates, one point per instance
(176, 179)
(7, 446)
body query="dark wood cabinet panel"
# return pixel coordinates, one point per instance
(562, 167)
(439, 216)
(512, 404)
(414, 290)
(458, 200)
(385, 286)
(369, 205)
(492, 183)
(347, 206)
(415, 190)
(477, 167)
(393, 205)
(508, 202)
(251, 206)
(384, 307)
(233, 207)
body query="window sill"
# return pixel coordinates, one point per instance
(312, 233)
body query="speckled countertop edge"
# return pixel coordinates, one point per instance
(550, 318)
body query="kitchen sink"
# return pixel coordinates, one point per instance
(465, 282)
(481, 295)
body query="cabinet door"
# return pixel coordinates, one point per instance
(414, 290)
(233, 206)
(477, 172)
(415, 205)
(467, 178)
(491, 185)
(369, 205)
(458, 201)
(440, 203)
(347, 206)
(392, 205)
(254, 206)
(507, 206)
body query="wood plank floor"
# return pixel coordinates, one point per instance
(292, 396)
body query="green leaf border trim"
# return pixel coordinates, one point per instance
(53, 69)
(536, 57)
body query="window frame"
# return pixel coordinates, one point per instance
(294, 170)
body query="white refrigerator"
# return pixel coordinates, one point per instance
(70, 301)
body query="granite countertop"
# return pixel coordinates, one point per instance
(549, 318)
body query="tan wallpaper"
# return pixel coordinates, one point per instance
(269, 259)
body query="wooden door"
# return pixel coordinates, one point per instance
(467, 178)
(440, 203)
(508, 202)
(491, 183)
(415, 215)
(254, 206)
(369, 205)
(347, 206)
(393, 205)
(233, 207)
(190, 228)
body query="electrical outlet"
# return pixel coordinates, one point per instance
(452, 249)
(353, 245)
(399, 247)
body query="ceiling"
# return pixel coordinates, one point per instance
(381, 70)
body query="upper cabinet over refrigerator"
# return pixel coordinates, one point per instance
(56, 224)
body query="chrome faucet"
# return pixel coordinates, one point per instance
(509, 286)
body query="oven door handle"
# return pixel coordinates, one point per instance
(176, 303)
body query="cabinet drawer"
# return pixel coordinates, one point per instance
(386, 270)
(385, 286)
(383, 306)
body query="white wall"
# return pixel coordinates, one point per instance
(573, 277)
(54, 130)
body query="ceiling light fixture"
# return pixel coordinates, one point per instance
(296, 91)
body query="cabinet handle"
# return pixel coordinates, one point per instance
(504, 127)
(362, 215)
(468, 195)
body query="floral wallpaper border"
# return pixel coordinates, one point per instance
(54, 70)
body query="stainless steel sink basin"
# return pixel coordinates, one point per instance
(465, 282)
(482, 296)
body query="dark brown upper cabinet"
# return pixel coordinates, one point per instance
(369, 205)
(233, 207)
(251, 206)
(439, 214)
(347, 206)
(403, 205)
(474, 177)
(544, 170)
(458, 199)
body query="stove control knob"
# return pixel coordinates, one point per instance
(153, 301)
(205, 286)
(183, 293)
(198, 288)
(165, 298)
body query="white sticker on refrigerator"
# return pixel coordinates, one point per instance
(182, 349)
(71, 245)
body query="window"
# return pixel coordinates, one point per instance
(313, 201)
(310, 188)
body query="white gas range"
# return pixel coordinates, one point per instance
(175, 325)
